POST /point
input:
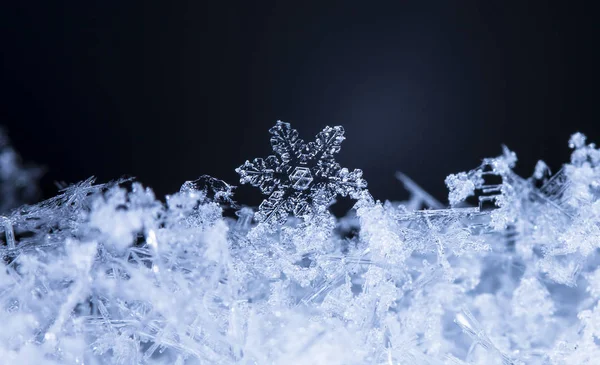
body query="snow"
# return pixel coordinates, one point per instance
(109, 274)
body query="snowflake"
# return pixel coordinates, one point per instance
(303, 178)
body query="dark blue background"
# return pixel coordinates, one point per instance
(168, 91)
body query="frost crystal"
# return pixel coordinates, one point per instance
(303, 178)
(109, 274)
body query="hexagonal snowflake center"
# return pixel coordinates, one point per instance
(301, 178)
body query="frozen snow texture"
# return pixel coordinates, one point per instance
(108, 274)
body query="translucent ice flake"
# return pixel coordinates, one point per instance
(302, 178)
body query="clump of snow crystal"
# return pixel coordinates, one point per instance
(108, 273)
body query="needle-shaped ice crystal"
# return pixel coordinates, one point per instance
(302, 178)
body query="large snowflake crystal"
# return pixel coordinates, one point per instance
(303, 178)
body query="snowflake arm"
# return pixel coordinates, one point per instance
(285, 141)
(260, 173)
(327, 144)
(350, 183)
(273, 208)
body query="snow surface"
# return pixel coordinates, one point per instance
(108, 274)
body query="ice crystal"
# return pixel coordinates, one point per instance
(302, 178)
(508, 274)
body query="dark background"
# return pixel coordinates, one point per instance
(168, 91)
